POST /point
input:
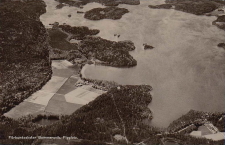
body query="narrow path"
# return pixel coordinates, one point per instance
(124, 129)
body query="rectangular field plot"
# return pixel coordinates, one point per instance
(54, 84)
(40, 97)
(61, 64)
(61, 107)
(81, 96)
(216, 137)
(25, 108)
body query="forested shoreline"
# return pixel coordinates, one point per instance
(24, 56)
(114, 117)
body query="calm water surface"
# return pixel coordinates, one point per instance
(186, 68)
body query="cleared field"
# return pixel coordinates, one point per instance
(25, 108)
(61, 107)
(59, 95)
(61, 64)
(63, 68)
(68, 86)
(82, 96)
(40, 97)
(89, 88)
(217, 136)
(69, 98)
(62, 73)
(54, 84)
(196, 133)
(204, 130)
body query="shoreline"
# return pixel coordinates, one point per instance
(177, 53)
(116, 120)
(60, 79)
(82, 71)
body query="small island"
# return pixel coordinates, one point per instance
(119, 115)
(80, 3)
(105, 13)
(146, 46)
(162, 6)
(200, 7)
(220, 22)
(80, 12)
(222, 45)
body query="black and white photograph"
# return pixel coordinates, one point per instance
(112, 72)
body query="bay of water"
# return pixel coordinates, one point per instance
(186, 68)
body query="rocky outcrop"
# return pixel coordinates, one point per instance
(105, 13)
(24, 52)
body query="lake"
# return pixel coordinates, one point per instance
(186, 68)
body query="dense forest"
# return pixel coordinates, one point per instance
(220, 22)
(109, 52)
(114, 117)
(197, 7)
(88, 47)
(23, 52)
(103, 2)
(78, 32)
(197, 118)
(128, 106)
(101, 84)
(185, 139)
(59, 41)
(99, 123)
